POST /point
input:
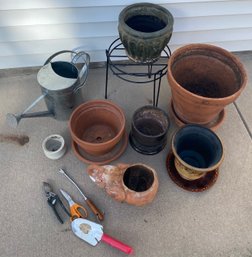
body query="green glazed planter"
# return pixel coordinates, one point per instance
(145, 29)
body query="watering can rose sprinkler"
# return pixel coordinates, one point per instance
(60, 82)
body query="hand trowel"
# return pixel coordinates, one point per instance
(92, 233)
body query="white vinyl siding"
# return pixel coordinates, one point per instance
(31, 30)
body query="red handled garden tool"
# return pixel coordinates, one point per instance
(92, 233)
(89, 231)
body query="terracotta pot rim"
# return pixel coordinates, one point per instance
(147, 167)
(155, 108)
(95, 102)
(147, 35)
(221, 51)
(203, 170)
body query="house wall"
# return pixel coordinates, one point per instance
(31, 30)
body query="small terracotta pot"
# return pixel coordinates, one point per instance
(135, 184)
(97, 126)
(198, 150)
(149, 129)
(203, 80)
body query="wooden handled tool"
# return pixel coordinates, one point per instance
(91, 205)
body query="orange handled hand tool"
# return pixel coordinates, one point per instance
(76, 210)
(91, 205)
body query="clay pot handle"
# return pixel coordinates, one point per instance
(96, 174)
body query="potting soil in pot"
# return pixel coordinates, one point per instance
(206, 88)
(149, 127)
(206, 74)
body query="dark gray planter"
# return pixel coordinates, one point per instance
(149, 129)
(145, 29)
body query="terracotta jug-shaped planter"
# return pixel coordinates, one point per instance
(198, 150)
(135, 184)
(203, 80)
(145, 29)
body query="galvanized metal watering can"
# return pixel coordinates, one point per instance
(60, 82)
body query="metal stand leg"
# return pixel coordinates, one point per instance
(149, 70)
(106, 82)
(159, 85)
(154, 91)
(154, 73)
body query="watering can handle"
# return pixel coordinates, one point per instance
(83, 73)
(58, 53)
(84, 69)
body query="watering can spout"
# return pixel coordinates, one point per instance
(14, 119)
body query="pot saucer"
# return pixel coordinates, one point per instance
(197, 185)
(213, 125)
(115, 153)
(146, 150)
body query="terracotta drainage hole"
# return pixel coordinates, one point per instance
(98, 133)
(145, 23)
(138, 178)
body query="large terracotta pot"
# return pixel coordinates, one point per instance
(145, 29)
(203, 80)
(97, 126)
(135, 184)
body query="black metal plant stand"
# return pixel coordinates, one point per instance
(154, 71)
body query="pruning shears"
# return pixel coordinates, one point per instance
(52, 200)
